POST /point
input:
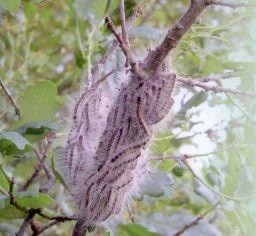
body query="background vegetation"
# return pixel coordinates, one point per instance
(47, 49)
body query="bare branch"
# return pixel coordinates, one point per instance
(134, 66)
(196, 221)
(114, 45)
(41, 156)
(9, 96)
(215, 89)
(123, 24)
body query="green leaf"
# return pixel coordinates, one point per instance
(37, 128)
(57, 172)
(11, 5)
(194, 101)
(35, 131)
(162, 144)
(178, 171)
(13, 143)
(40, 102)
(108, 5)
(3, 181)
(10, 212)
(135, 229)
(31, 200)
(29, 10)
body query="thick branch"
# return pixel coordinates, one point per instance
(155, 58)
(26, 222)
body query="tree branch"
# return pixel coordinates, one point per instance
(123, 24)
(41, 156)
(196, 221)
(215, 89)
(26, 222)
(134, 66)
(9, 96)
(105, 57)
(155, 57)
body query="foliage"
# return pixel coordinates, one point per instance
(48, 47)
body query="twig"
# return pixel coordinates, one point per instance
(41, 156)
(134, 66)
(12, 198)
(54, 220)
(96, 69)
(196, 221)
(9, 96)
(123, 24)
(215, 89)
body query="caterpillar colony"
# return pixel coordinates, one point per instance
(106, 144)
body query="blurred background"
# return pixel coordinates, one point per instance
(47, 50)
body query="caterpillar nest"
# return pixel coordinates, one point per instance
(106, 150)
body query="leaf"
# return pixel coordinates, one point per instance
(108, 5)
(135, 229)
(194, 101)
(37, 128)
(11, 5)
(35, 131)
(13, 143)
(3, 181)
(29, 10)
(32, 200)
(178, 171)
(162, 144)
(10, 212)
(40, 102)
(56, 171)
(155, 184)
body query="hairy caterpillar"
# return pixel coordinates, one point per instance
(102, 177)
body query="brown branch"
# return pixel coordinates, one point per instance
(196, 221)
(12, 198)
(123, 24)
(215, 89)
(31, 212)
(134, 66)
(9, 96)
(55, 220)
(41, 156)
(26, 222)
(156, 57)
(96, 69)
